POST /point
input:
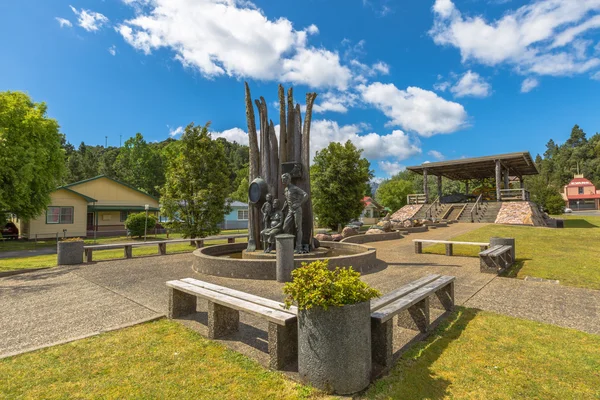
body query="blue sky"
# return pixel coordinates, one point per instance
(408, 81)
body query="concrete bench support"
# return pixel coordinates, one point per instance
(444, 298)
(382, 349)
(221, 320)
(162, 248)
(283, 345)
(180, 303)
(88, 255)
(416, 317)
(199, 244)
(418, 247)
(128, 251)
(231, 240)
(448, 249)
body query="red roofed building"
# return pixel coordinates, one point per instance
(581, 194)
(372, 211)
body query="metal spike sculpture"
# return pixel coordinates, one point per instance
(269, 160)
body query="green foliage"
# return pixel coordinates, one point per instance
(31, 156)
(194, 196)
(314, 285)
(140, 165)
(555, 204)
(136, 223)
(392, 193)
(339, 179)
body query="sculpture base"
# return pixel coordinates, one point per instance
(261, 255)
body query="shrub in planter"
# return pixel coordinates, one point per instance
(69, 251)
(334, 326)
(136, 223)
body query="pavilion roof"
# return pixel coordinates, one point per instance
(518, 164)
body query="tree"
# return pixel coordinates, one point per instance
(137, 224)
(194, 197)
(392, 193)
(140, 165)
(339, 178)
(31, 156)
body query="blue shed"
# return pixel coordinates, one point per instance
(237, 218)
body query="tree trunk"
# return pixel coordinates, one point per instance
(290, 130)
(297, 135)
(274, 163)
(307, 223)
(254, 168)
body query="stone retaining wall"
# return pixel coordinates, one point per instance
(520, 213)
(406, 212)
(361, 239)
(207, 261)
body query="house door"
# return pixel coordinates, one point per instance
(90, 221)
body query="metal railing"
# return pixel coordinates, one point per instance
(514, 194)
(416, 198)
(476, 207)
(435, 205)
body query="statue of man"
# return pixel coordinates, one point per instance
(294, 199)
(276, 219)
(266, 211)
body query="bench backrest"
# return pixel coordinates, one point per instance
(450, 242)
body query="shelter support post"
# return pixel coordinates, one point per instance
(521, 183)
(439, 185)
(425, 186)
(467, 187)
(506, 178)
(498, 179)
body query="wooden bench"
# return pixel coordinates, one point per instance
(224, 305)
(411, 304)
(162, 245)
(449, 245)
(495, 259)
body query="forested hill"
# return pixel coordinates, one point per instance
(142, 164)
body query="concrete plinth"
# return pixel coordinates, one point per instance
(285, 257)
(69, 253)
(498, 241)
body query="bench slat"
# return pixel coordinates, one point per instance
(137, 244)
(388, 312)
(487, 252)
(501, 250)
(278, 317)
(242, 295)
(387, 298)
(450, 242)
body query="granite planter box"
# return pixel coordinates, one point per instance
(334, 347)
(70, 252)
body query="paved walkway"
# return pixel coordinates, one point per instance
(57, 305)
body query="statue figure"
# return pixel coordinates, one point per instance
(266, 211)
(276, 220)
(294, 199)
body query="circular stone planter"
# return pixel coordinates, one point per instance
(70, 253)
(334, 347)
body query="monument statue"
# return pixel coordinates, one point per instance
(266, 213)
(294, 200)
(276, 226)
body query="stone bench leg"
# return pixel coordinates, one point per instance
(180, 303)
(448, 249)
(230, 240)
(418, 247)
(221, 320)
(128, 253)
(482, 248)
(88, 255)
(487, 265)
(199, 244)
(162, 249)
(382, 342)
(283, 344)
(416, 317)
(444, 298)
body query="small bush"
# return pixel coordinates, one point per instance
(136, 223)
(314, 285)
(555, 204)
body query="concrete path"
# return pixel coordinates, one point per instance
(42, 251)
(53, 306)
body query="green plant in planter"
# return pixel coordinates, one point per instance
(314, 285)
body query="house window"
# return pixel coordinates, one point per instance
(124, 215)
(580, 189)
(59, 215)
(242, 214)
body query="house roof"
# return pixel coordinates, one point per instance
(519, 164)
(580, 182)
(367, 201)
(236, 203)
(112, 179)
(87, 198)
(121, 208)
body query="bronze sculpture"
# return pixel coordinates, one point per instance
(276, 226)
(294, 200)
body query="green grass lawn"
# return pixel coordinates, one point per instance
(569, 255)
(474, 354)
(10, 264)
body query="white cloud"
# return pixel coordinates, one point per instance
(596, 76)
(89, 20)
(112, 50)
(415, 109)
(176, 131)
(442, 86)
(335, 102)
(529, 84)
(64, 22)
(471, 84)
(232, 135)
(396, 144)
(391, 168)
(436, 154)
(234, 38)
(535, 38)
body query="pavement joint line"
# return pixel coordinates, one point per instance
(87, 335)
(480, 289)
(117, 293)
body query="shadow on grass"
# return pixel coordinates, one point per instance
(412, 377)
(579, 223)
(513, 271)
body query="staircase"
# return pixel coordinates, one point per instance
(437, 214)
(487, 213)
